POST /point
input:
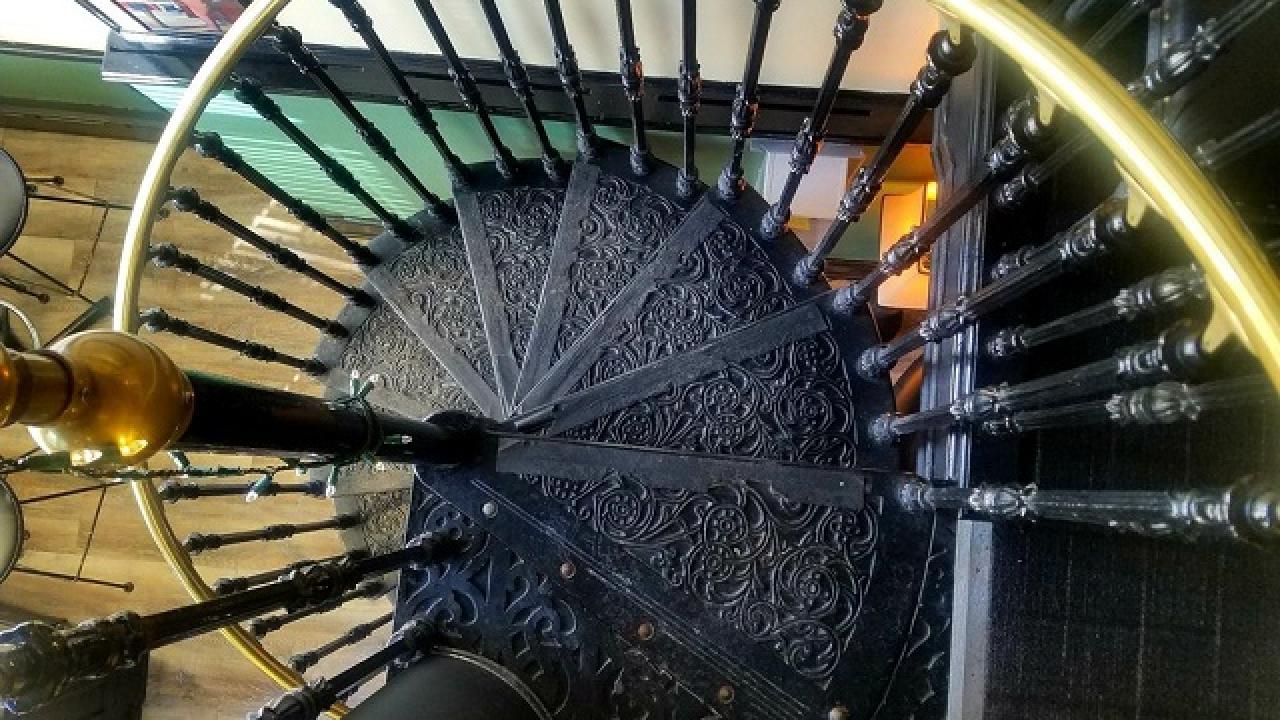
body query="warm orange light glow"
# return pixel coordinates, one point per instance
(899, 213)
(931, 191)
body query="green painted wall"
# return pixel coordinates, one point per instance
(39, 79)
(264, 146)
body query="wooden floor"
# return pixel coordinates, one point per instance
(204, 677)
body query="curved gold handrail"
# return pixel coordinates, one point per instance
(151, 195)
(1246, 288)
(1244, 285)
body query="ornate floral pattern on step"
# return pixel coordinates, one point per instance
(491, 602)
(790, 576)
(726, 283)
(622, 231)
(437, 278)
(520, 225)
(384, 345)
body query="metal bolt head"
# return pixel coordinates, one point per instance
(645, 631)
(568, 569)
(724, 694)
(489, 509)
(838, 712)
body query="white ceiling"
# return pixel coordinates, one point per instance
(799, 44)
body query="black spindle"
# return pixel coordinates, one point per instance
(38, 661)
(571, 79)
(196, 543)
(1090, 238)
(632, 72)
(304, 661)
(948, 57)
(176, 490)
(467, 88)
(250, 92)
(1248, 510)
(210, 145)
(289, 41)
(412, 101)
(263, 626)
(746, 102)
(157, 320)
(689, 91)
(1169, 289)
(188, 200)
(1177, 352)
(518, 79)
(1175, 68)
(1161, 404)
(308, 701)
(226, 586)
(1025, 134)
(850, 29)
(168, 256)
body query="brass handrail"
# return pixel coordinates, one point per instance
(255, 21)
(1245, 288)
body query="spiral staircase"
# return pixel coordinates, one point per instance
(633, 456)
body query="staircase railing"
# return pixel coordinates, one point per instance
(1144, 383)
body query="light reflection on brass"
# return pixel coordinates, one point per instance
(1246, 290)
(108, 398)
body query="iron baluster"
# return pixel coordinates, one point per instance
(226, 586)
(289, 41)
(188, 200)
(632, 72)
(1248, 510)
(689, 91)
(197, 543)
(263, 626)
(308, 701)
(571, 79)
(1090, 238)
(1031, 179)
(304, 661)
(175, 490)
(1030, 266)
(948, 56)
(38, 660)
(1025, 135)
(412, 101)
(165, 255)
(157, 320)
(1177, 66)
(468, 90)
(1217, 153)
(518, 79)
(210, 145)
(1212, 155)
(250, 92)
(850, 30)
(746, 101)
(1161, 404)
(1176, 353)
(1172, 288)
